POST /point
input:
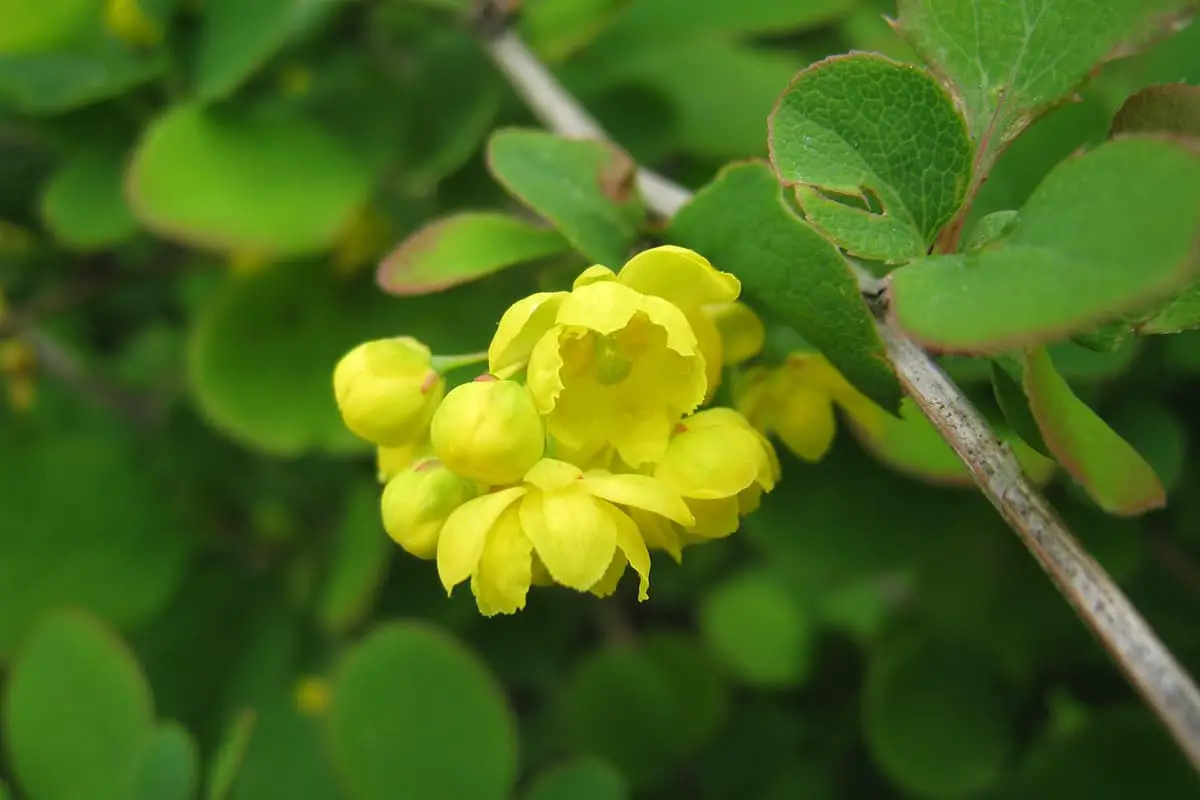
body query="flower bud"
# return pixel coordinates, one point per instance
(387, 390)
(488, 431)
(417, 501)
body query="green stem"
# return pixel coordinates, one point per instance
(444, 364)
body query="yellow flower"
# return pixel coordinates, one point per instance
(742, 332)
(489, 431)
(609, 362)
(416, 503)
(721, 466)
(387, 390)
(562, 519)
(390, 461)
(795, 402)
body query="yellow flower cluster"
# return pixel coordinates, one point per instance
(582, 448)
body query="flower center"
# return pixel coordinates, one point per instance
(611, 364)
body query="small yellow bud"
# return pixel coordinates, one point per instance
(387, 390)
(489, 431)
(416, 503)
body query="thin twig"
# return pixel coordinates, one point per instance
(58, 362)
(1102, 606)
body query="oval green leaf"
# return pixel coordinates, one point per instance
(37, 27)
(583, 778)
(586, 188)
(904, 148)
(168, 767)
(461, 248)
(77, 713)
(236, 181)
(84, 204)
(358, 563)
(413, 708)
(229, 756)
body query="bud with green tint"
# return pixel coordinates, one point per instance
(488, 431)
(387, 390)
(417, 501)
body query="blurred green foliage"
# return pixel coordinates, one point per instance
(197, 599)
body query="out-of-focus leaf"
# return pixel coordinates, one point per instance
(721, 92)
(1158, 434)
(759, 629)
(77, 712)
(95, 68)
(1008, 64)
(583, 778)
(1010, 396)
(1105, 233)
(463, 247)
(555, 29)
(238, 181)
(38, 27)
(1108, 468)
(168, 765)
(443, 730)
(741, 223)
(990, 230)
(288, 324)
(227, 760)
(357, 564)
(236, 38)
(586, 188)
(1167, 108)
(905, 148)
(84, 204)
(936, 719)
(678, 19)
(115, 548)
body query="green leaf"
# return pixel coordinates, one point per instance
(757, 627)
(443, 730)
(1009, 64)
(237, 38)
(358, 563)
(905, 147)
(226, 180)
(1112, 472)
(1155, 431)
(288, 324)
(116, 548)
(721, 92)
(1010, 396)
(990, 230)
(227, 760)
(742, 224)
(936, 719)
(555, 29)
(582, 778)
(463, 247)
(586, 188)
(77, 712)
(1104, 233)
(656, 20)
(83, 202)
(37, 27)
(168, 766)
(1168, 108)
(89, 70)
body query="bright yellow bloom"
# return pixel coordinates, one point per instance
(742, 332)
(618, 359)
(569, 521)
(417, 501)
(387, 390)
(489, 431)
(721, 466)
(795, 402)
(390, 461)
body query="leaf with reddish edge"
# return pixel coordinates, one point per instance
(1166, 108)
(462, 248)
(1113, 474)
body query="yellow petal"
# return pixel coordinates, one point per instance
(714, 518)
(461, 542)
(719, 417)
(524, 322)
(658, 533)
(679, 275)
(505, 570)
(604, 307)
(741, 331)
(544, 375)
(572, 535)
(551, 475)
(638, 491)
(806, 424)
(712, 463)
(708, 341)
(630, 542)
(594, 273)
(612, 576)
